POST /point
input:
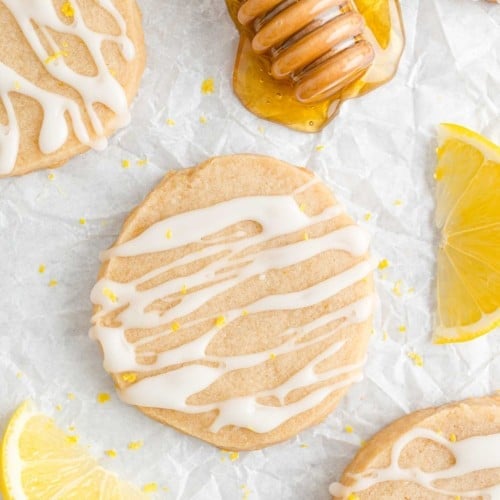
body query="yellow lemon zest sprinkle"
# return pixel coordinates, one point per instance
(41, 268)
(165, 488)
(82, 221)
(135, 445)
(244, 312)
(362, 443)
(141, 163)
(246, 492)
(70, 396)
(440, 432)
(168, 234)
(150, 488)
(111, 453)
(67, 9)
(184, 289)
(125, 163)
(368, 216)
(261, 129)
(349, 429)
(129, 377)
(352, 496)
(52, 283)
(411, 289)
(320, 147)
(438, 173)
(55, 56)
(385, 336)
(103, 397)
(72, 439)
(71, 428)
(306, 236)
(233, 456)
(458, 497)
(19, 374)
(402, 328)
(17, 85)
(112, 71)
(272, 356)
(108, 293)
(175, 326)
(302, 207)
(397, 203)
(220, 321)
(304, 445)
(51, 177)
(383, 264)
(453, 437)
(170, 122)
(59, 407)
(207, 86)
(203, 119)
(416, 358)
(396, 289)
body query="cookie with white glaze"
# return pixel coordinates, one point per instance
(236, 304)
(445, 453)
(68, 72)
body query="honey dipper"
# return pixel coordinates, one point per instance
(317, 44)
(299, 60)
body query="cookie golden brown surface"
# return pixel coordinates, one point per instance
(236, 304)
(447, 452)
(68, 73)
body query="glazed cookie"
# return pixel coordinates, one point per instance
(449, 452)
(236, 304)
(68, 71)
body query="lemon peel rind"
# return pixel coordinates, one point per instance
(465, 333)
(9, 450)
(489, 149)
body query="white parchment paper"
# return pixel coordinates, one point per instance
(378, 156)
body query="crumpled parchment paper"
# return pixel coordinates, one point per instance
(378, 156)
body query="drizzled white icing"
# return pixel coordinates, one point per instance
(471, 455)
(100, 88)
(235, 261)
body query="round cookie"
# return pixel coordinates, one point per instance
(69, 70)
(449, 452)
(236, 304)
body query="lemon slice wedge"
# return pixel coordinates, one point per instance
(468, 215)
(39, 461)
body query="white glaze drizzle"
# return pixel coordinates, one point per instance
(471, 454)
(235, 260)
(101, 88)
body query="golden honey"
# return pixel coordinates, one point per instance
(288, 100)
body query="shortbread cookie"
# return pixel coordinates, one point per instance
(236, 304)
(68, 71)
(449, 452)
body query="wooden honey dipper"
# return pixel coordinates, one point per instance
(318, 44)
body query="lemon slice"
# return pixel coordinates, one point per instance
(468, 215)
(39, 461)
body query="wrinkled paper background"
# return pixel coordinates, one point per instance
(379, 150)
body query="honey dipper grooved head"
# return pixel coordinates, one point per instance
(313, 42)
